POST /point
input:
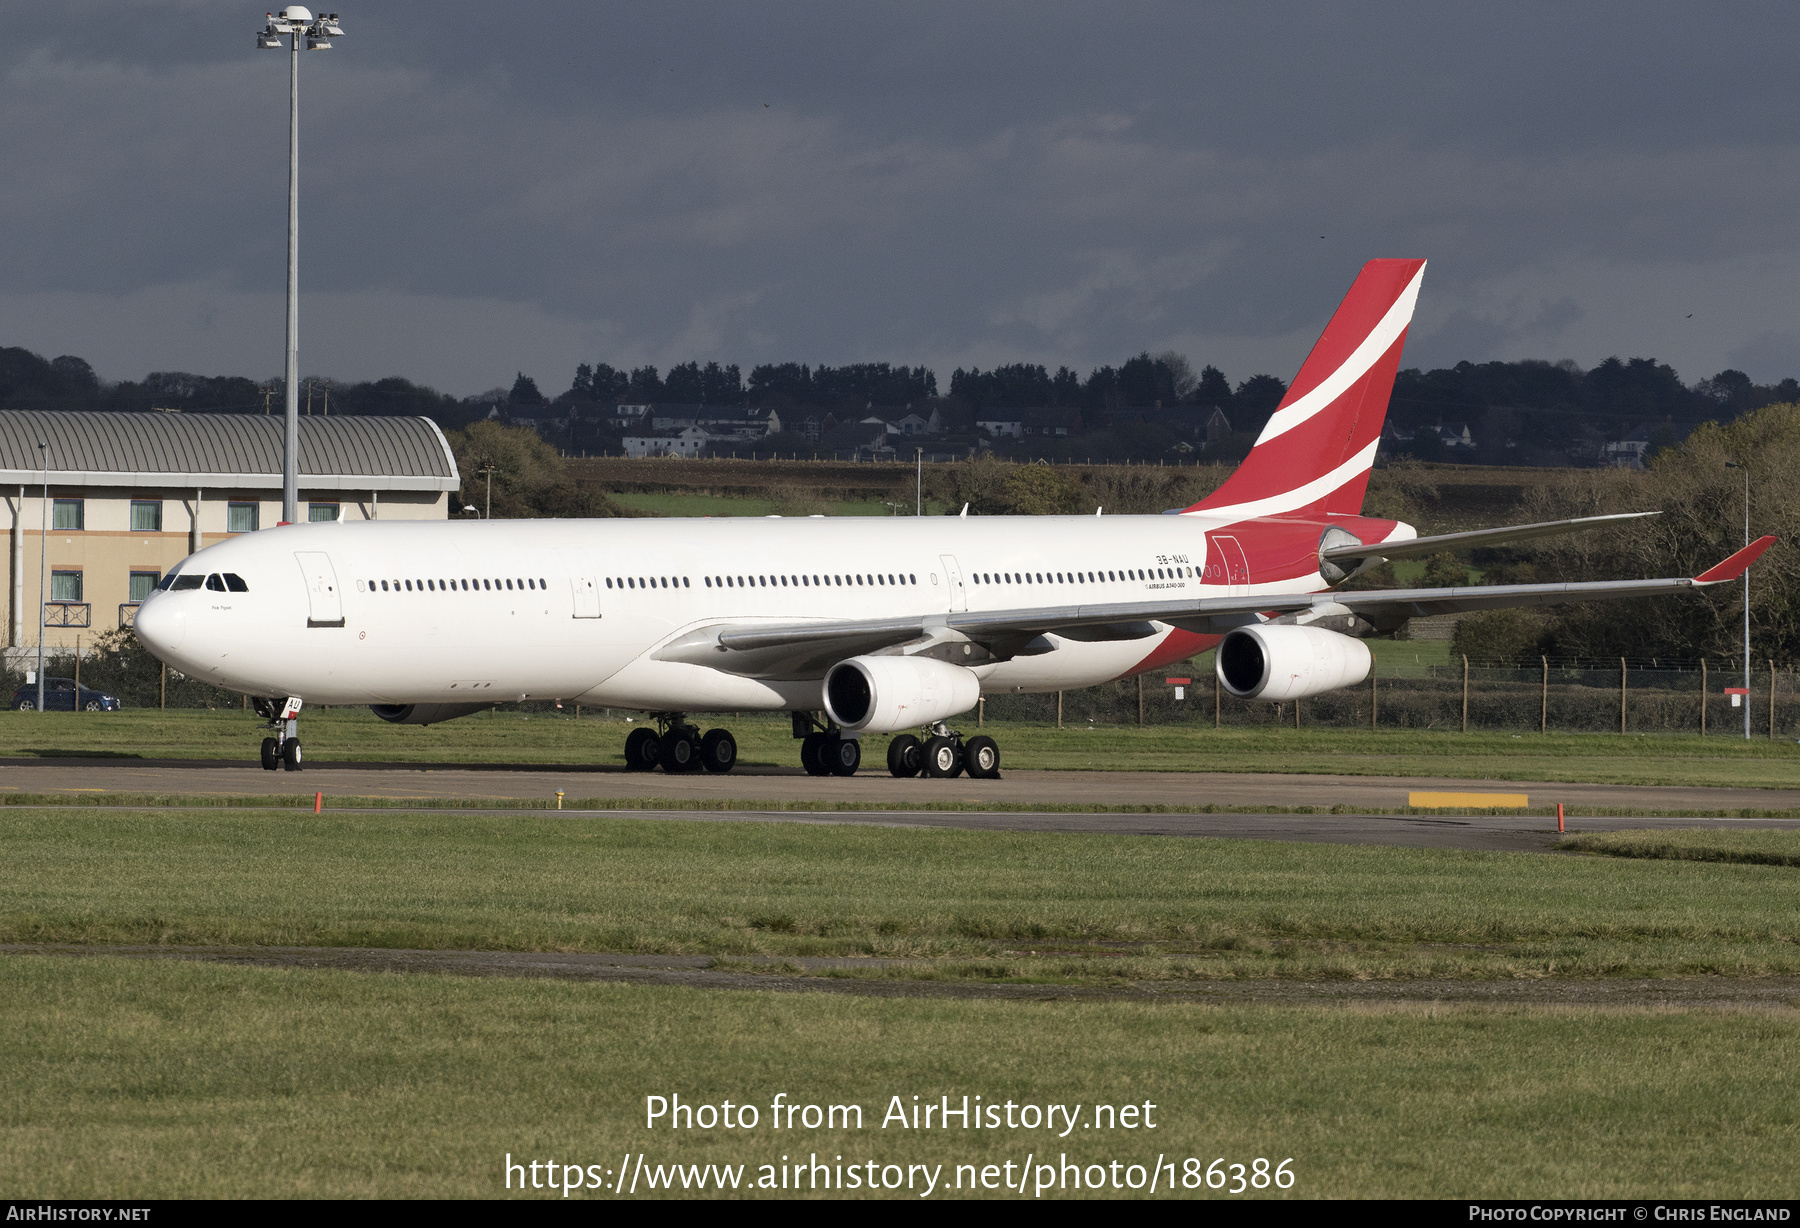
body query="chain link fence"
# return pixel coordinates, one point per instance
(1628, 696)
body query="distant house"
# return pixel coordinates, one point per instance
(1002, 424)
(1049, 423)
(1218, 427)
(1630, 452)
(856, 441)
(1456, 439)
(720, 421)
(688, 441)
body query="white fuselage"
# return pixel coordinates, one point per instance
(471, 611)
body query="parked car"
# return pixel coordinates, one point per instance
(60, 695)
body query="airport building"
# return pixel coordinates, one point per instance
(132, 494)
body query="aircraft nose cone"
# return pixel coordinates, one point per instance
(160, 627)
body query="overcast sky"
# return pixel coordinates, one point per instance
(492, 188)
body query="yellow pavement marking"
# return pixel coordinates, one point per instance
(1479, 801)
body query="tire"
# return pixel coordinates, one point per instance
(26, 705)
(94, 705)
(271, 755)
(290, 754)
(718, 751)
(843, 755)
(643, 750)
(905, 756)
(810, 758)
(679, 751)
(943, 758)
(982, 757)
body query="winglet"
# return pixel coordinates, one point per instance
(1736, 565)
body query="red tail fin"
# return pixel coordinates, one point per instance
(1315, 454)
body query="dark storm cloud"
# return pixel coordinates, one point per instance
(494, 187)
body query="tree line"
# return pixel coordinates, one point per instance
(1525, 412)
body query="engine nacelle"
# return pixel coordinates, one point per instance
(885, 694)
(1286, 662)
(424, 714)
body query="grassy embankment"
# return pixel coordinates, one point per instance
(131, 1080)
(354, 735)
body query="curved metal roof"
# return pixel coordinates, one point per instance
(240, 450)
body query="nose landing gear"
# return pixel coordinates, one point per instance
(282, 748)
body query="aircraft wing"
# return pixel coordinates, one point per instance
(787, 650)
(1418, 547)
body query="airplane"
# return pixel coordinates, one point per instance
(854, 626)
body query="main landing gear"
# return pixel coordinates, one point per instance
(943, 754)
(824, 750)
(281, 749)
(678, 746)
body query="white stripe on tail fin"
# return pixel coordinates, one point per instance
(1315, 453)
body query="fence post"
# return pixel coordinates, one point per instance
(1374, 699)
(78, 686)
(1216, 711)
(1465, 657)
(1703, 697)
(1544, 700)
(1059, 696)
(1296, 714)
(1621, 694)
(1771, 689)
(1140, 684)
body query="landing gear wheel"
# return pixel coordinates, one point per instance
(842, 755)
(811, 757)
(271, 754)
(679, 751)
(982, 755)
(290, 754)
(718, 751)
(943, 758)
(642, 750)
(905, 756)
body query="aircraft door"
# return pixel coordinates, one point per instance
(959, 596)
(587, 596)
(325, 604)
(1230, 557)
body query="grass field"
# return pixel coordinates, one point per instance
(127, 1079)
(965, 905)
(355, 735)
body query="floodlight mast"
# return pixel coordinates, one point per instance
(297, 23)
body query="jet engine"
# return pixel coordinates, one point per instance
(884, 694)
(424, 714)
(1287, 662)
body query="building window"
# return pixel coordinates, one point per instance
(68, 514)
(240, 517)
(143, 583)
(317, 512)
(146, 517)
(65, 586)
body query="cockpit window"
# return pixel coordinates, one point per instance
(215, 583)
(167, 580)
(182, 584)
(235, 583)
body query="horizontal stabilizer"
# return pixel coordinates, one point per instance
(1418, 547)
